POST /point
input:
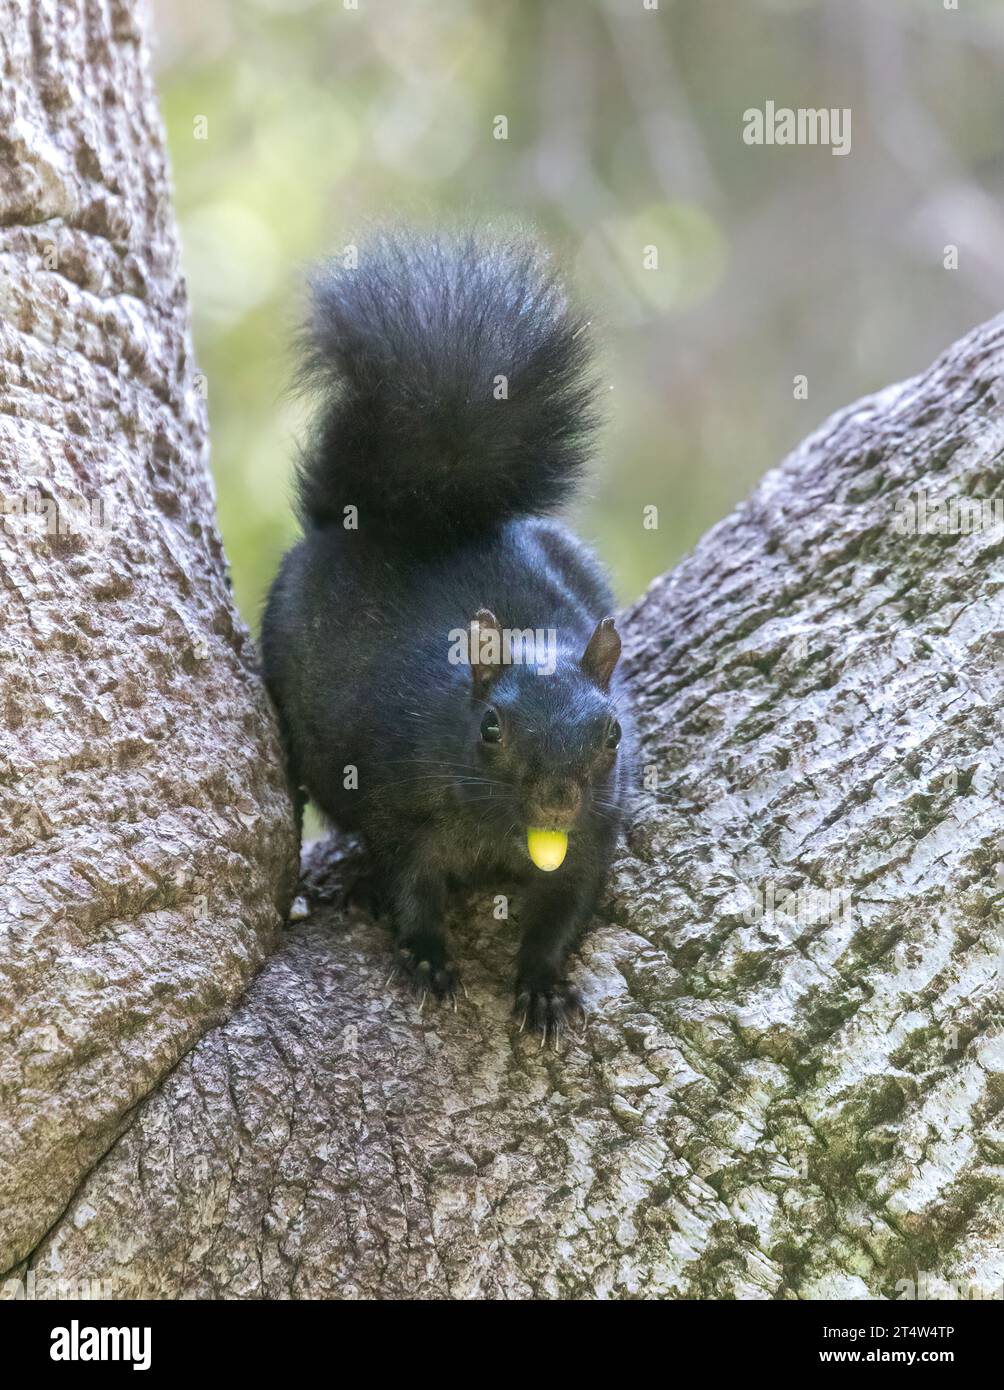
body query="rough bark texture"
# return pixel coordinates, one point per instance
(759, 1107)
(145, 830)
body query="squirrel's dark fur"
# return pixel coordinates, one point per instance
(455, 409)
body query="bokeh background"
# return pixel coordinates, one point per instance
(624, 131)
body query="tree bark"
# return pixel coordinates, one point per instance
(802, 1101)
(148, 850)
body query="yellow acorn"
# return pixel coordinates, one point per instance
(547, 847)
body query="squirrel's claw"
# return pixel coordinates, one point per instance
(548, 1011)
(438, 978)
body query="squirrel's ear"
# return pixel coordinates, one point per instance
(600, 656)
(486, 650)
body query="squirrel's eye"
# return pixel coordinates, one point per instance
(613, 734)
(491, 729)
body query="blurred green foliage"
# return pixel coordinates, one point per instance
(624, 133)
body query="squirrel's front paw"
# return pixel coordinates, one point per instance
(425, 965)
(548, 1009)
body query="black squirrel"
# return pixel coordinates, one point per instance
(440, 650)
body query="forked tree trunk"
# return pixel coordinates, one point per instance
(147, 851)
(773, 1097)
(763, 1104)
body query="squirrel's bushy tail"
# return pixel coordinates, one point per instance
(452, 374)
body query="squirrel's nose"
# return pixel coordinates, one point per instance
(556, 805)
